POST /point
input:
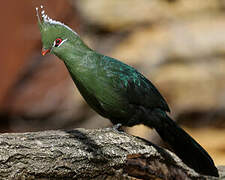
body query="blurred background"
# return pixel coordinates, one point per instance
(178, 44)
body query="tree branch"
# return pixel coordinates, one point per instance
(87, 154)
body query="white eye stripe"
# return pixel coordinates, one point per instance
(62, 42)
(53, 44)
(59, 44)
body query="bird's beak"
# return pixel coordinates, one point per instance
(45, 51)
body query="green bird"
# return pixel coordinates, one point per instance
(119, 92)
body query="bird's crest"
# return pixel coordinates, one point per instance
(47, 20)
(51, 29)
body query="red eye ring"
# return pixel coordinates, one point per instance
(58, 42)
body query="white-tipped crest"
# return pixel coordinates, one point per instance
(46, 19)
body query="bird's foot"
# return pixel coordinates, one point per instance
(117, 128)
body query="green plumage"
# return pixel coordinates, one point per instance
(120, 93)
(112, 88)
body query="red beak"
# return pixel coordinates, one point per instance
(45, 51)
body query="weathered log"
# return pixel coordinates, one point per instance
(87, 154)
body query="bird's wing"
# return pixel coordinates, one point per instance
(133, 86)
(141, 91)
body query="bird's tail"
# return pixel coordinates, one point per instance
(184, 146)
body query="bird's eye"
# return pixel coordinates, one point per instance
(57, 42)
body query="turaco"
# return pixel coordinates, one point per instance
(119, 92)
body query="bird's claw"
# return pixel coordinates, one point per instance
(117, 128)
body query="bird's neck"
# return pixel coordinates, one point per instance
(74, 53)
(79, 62)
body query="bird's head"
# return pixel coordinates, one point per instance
(56, 36)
